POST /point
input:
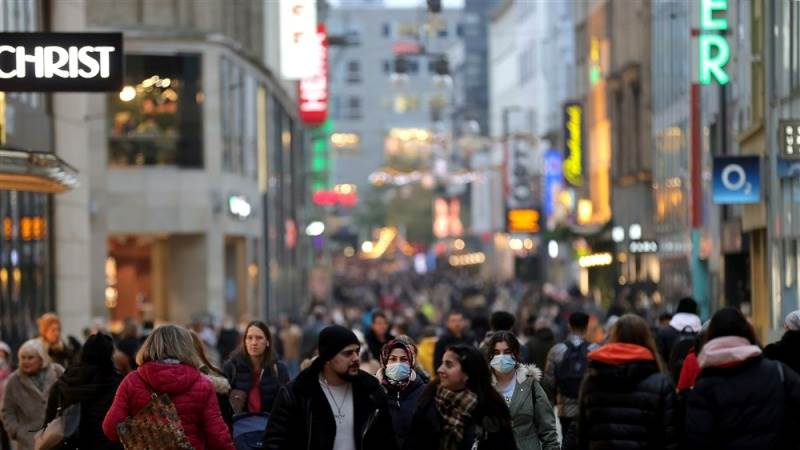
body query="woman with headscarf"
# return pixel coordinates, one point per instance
(92, 382)
(402, 383)
(25, 398)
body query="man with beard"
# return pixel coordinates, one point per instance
(332, 405)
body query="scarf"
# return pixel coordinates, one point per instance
(727, 351)
(393, 385)
(456, 408)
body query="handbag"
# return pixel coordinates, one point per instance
(155, 427)
(63, 427)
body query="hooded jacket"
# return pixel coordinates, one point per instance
(667, 336)
(741, 401)
(24, 404)
(787, 350)
(193, 395)
(625, 402)
(532, 415)
(301, 417)
(94, 389)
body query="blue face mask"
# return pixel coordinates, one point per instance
(398, 371)
(503, 363)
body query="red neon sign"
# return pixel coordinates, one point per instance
(313, 92)
(331, 198)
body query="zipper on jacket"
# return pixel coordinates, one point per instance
(370, 421)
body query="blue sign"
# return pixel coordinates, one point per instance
(737, 180)
(553, 177)
(788, 168)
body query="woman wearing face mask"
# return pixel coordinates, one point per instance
(402, 383)
(531, 413)
(461, 410)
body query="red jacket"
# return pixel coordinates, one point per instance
(192, 394)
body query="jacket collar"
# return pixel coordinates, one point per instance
(524, 371)
(50, 378)
(727, 351)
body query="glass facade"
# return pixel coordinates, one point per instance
(26, 287)
(156, 119)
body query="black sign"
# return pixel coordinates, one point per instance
(90, 62)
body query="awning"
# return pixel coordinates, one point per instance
(28, 171)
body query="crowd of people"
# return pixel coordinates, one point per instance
(360, 379)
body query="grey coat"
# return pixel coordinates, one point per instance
(24, 405)
(532, 415)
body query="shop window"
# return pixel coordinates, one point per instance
(157, 117)
(353, 72)
(353, 108)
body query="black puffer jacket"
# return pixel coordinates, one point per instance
(787, 350)
(427, 426)
(239, 373)
(302, 419)
(625, 402)
(94, 388)
(744, 407)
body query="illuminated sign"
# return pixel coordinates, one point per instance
(312, 92)
(789, 139)
(713, 48)
(573, 137)
(595, 260)
(331, 198)
(447, 218)
(643, 247)
(736, 180)
(60, 61)
(522, 221)
(553, 177)
(298, 25)
(239, 207)
(520, 170)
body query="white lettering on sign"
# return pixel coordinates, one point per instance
(59, 62)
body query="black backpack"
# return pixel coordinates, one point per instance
(686, 341)
(569, 373)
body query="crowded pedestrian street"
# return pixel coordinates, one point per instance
(399, 224)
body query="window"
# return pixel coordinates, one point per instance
(353, 108)
(353, 72)
(387, 67)
(160, 121)
(794, 45)
(460, 30)
(403, 103)
(353, 37)
(386, 30)
(232, 105)
(336, 107)
(413, 66)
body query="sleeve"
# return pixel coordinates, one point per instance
(669, 419)
(699, 421)
(218, 436)
(227, 372)
(549, 377)
(52, 404)
(276, 437)
(791, 385)
(9, 408)
(545, 419)
(120, 409)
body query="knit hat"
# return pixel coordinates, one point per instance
(687, 305)
(792, 321)
(334, 339)
(46, 321)
(97, 351)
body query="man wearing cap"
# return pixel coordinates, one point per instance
(332, 405)
(787, 350)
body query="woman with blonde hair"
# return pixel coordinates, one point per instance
(168, 363)
(627, 400)
(23, 408)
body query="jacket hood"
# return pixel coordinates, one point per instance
(617, 353)
(524, 371)
(82, 382)
(727, 351)
(682, 321)
(168, 378)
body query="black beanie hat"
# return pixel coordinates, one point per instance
(334, 339)
(687, 305)
(97, 351)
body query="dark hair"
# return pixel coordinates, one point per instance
(479, 381)
(578, 321)
(507, 337)
(687, 305)
(98, 351)
(268, 358)
(730, 322)
(664, 316)
(502, 321)
(455, 312)
(377, 314)
(632, 329)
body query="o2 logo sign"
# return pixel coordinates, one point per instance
(737, 180)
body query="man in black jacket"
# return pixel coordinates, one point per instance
(332, 404)
(455, 334)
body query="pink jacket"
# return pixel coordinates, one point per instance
(193, 395)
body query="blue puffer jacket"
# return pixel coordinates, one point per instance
(239, 373)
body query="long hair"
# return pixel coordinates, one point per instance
(507, 337)
(479, 381)
(632, 329)
(730, 322)
(268, 358)
(200, 349)
(168, 341)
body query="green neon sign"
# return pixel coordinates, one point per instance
(713, 48)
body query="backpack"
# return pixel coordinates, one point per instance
(569, 372)
(686, 341)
